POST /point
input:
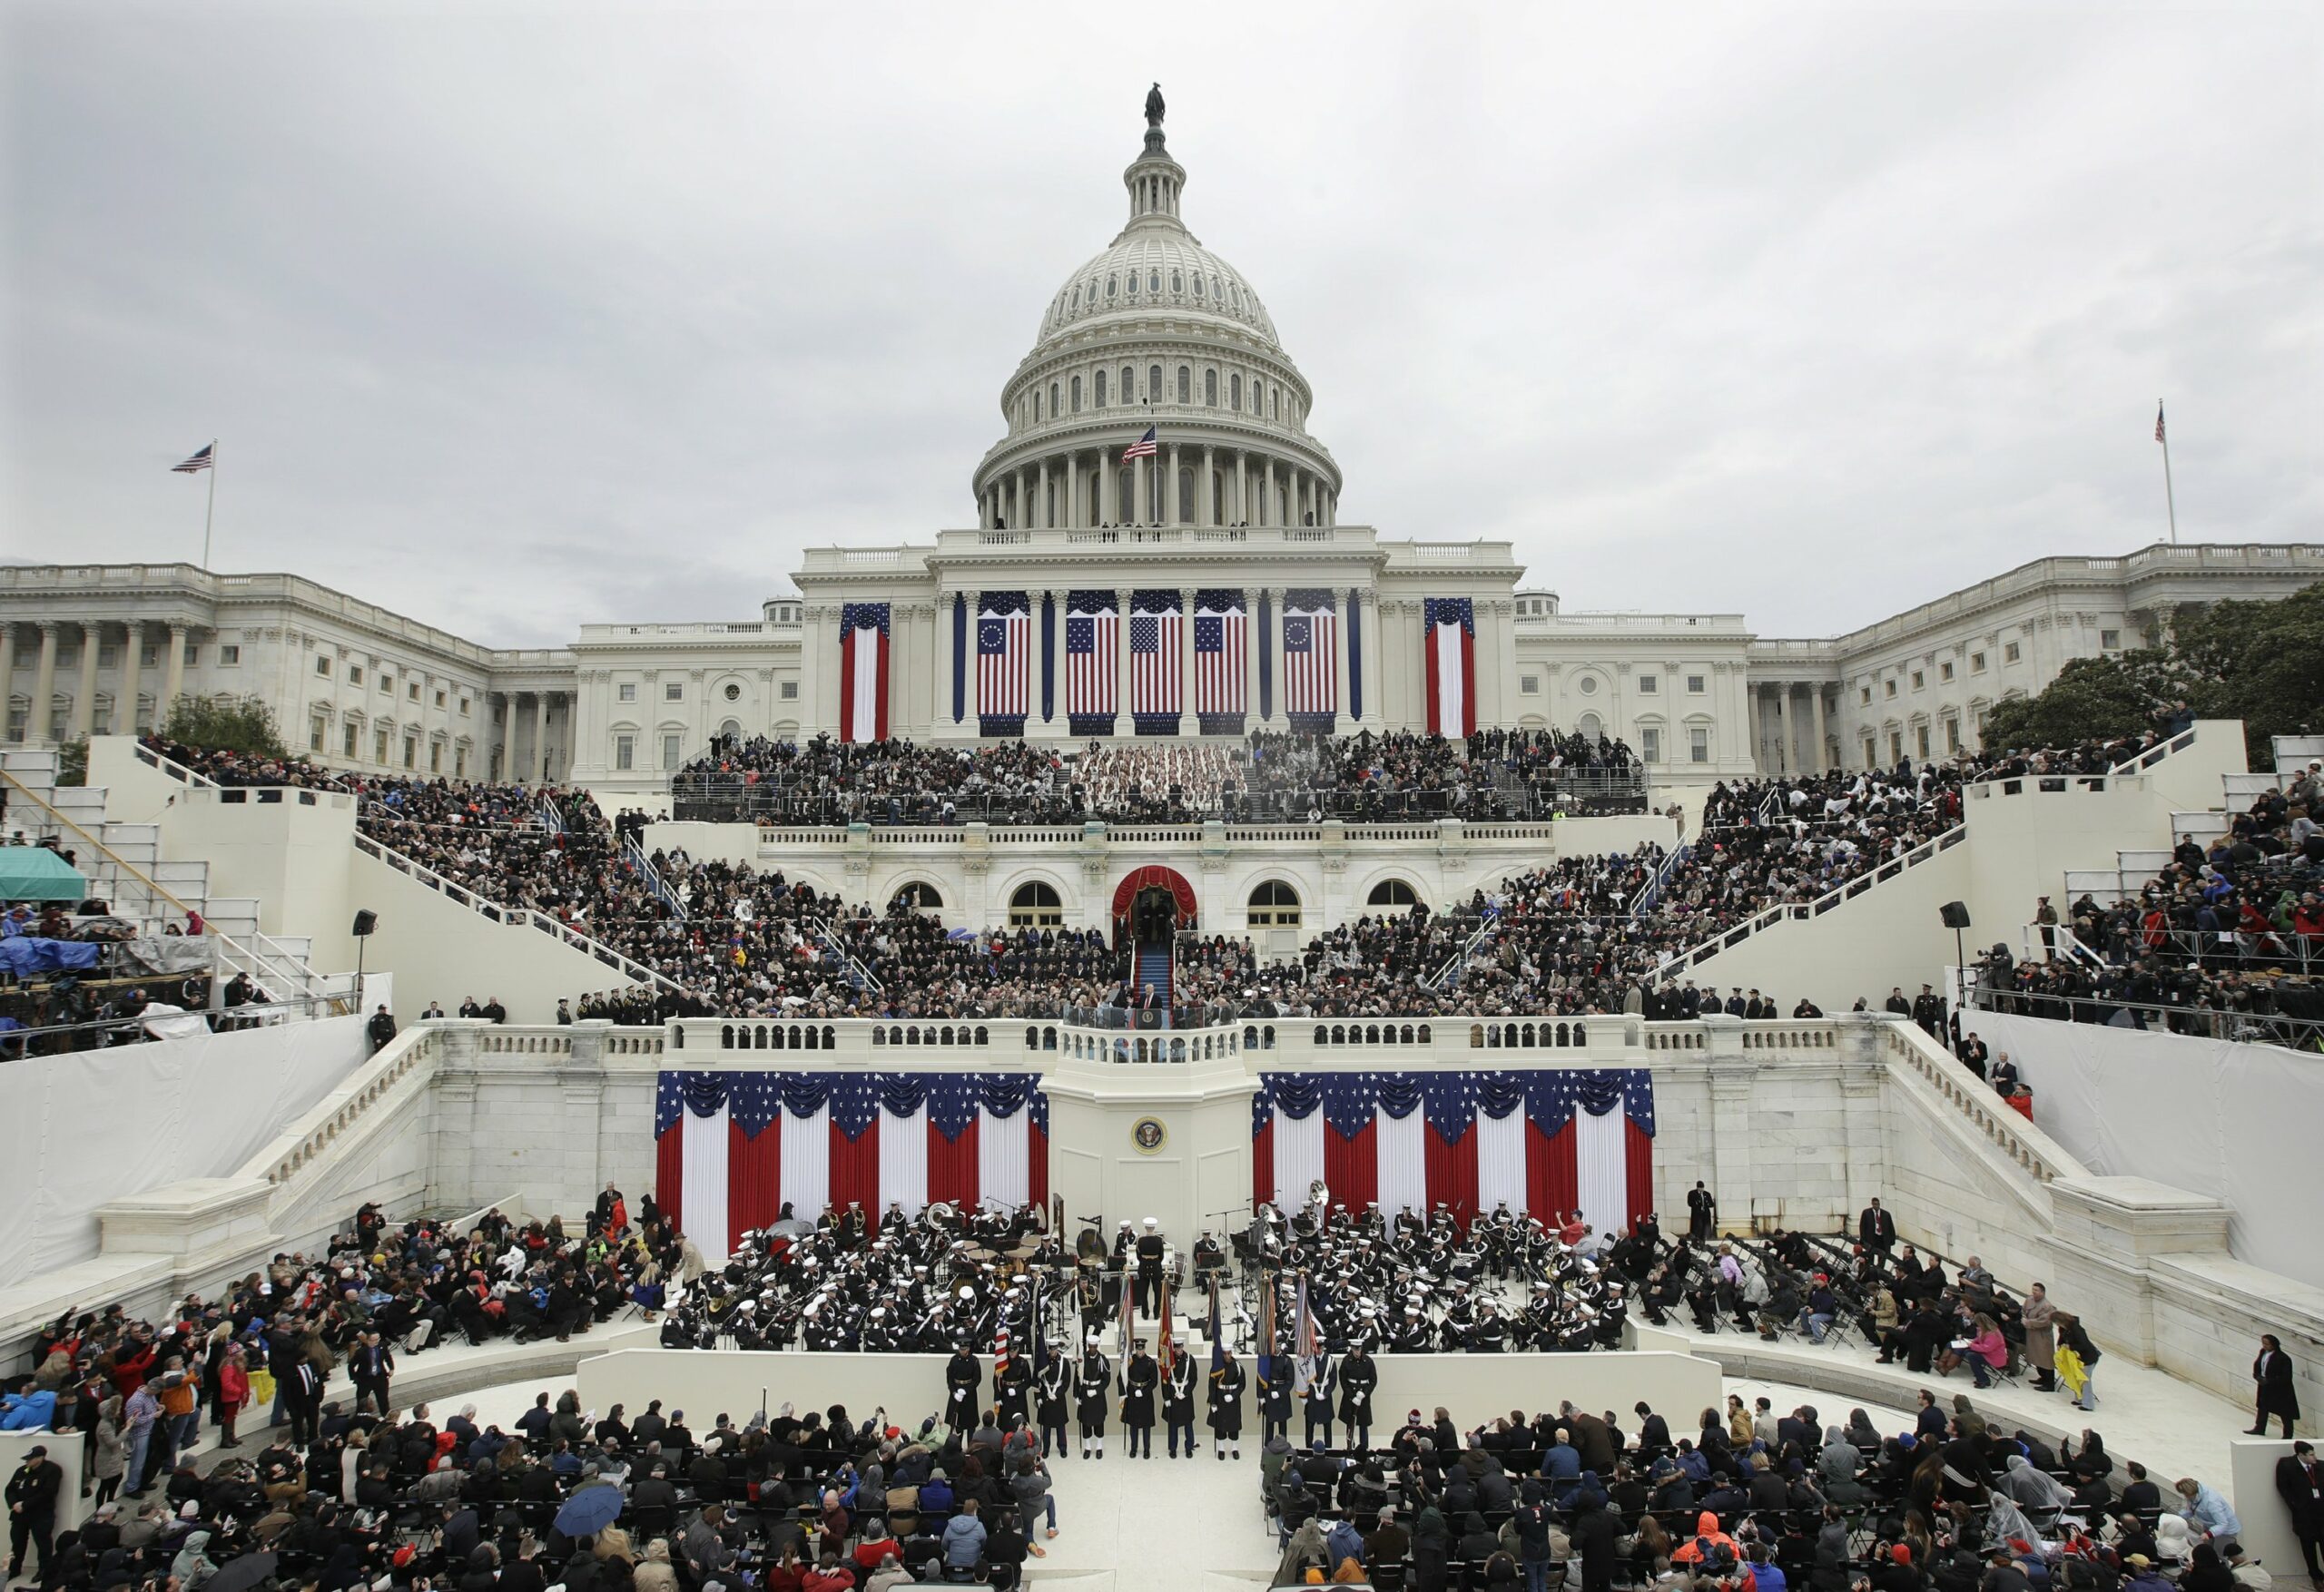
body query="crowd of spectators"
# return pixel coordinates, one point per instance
(2228, 940)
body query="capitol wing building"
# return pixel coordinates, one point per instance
(1198, 584)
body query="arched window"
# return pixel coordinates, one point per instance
(1274, 403)
(1109, 287)
(919, 896)
(1185, 385)
(1076, 296)
(1154, 383)
(1077, 395)
(1153, 281)
(1036, 906)
(1177, 282)
(1133, 283)
(1100, 389)
(1054, 410)
(1590, 727)
(1198, 284)
(1210, 387)
(1234, 391)
(1129, 384)
(1392, 892)
(1275, 905)
(1126, 496)
(1037, 406)
(1185, 494)
(1154, 496)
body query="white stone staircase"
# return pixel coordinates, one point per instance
(2134, 867)
(125, 868)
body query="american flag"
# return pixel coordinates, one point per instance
(1156, 664)
(1144, 448)
(1304, 1349)
(204, 459)
(1004, 651)
(1310, 640)
(2158, 428)
(1221, 653)
(1092, 655)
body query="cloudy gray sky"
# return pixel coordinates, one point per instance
(514, 319)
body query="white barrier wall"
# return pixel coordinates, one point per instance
(79, 1131)
(1474, 1388)
(2240, 1123)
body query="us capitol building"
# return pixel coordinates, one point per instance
(1193, 560)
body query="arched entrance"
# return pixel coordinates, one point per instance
(1150, 906)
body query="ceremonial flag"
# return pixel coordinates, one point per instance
(1546, 1141)
(1451, 665)
(731, 1148)
(1144, 448)
(864, 671)
(1266, 1355)
(1310, 641)
(1093, 669)
(1004, 659)
(1130, 1318)
(2159, 435)
(1305, 1344)
(1222, 654)
(1165, 1341)
(1158, 666)
(207, 457)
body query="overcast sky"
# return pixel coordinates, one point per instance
(515, 319)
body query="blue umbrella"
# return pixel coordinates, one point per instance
(591, 1509)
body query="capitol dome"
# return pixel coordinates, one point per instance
(1155, 330)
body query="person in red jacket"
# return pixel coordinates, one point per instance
(233, 1392)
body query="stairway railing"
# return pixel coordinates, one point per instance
(857, 973)
(1450, 972)
(643, 866)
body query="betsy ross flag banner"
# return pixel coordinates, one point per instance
(1546, 1143)
(864, 671)
(1156, 662)
(1310, 645)
(1093, 669)
(1451, 625)
(1222, 661)
(1004, 662)
(732, 1148)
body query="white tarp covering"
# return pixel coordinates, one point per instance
(2239, 1123)
(79, 1130)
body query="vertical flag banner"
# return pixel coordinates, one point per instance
(1156, 662)
(1222, 655)
(731, 1148)
(1545, 1143)
(864, 671)
(1354, 654)
(1451, 627)
(1093, 662)
(1266, 658)
(1004, 662)
(1310, 642)
(1048, 657)
(959, 656)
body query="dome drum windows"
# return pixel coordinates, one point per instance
(1077, 395)
(1185, 384)
(1101, 390)
(1210, 388)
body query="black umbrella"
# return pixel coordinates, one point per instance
(239, 1575)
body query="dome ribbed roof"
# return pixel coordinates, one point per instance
(1149, 269)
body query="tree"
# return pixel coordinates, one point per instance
(225, 723)
(2259, 661)
(2092, 699)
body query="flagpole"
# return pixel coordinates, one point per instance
(2162, 434)
(210, 513)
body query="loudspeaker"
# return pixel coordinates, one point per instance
(366, 921)
(1955, 915)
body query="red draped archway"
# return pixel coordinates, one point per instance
(1154, 876)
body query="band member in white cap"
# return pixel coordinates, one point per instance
(1149, 1268)
(1093, 1388)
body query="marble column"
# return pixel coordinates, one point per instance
(1256, 639)
(133, 677)
(85, 692)
(1268, 512)
(1823, 732)
(1203, 516)
(1138, 490)
(1174, 511)
(1185, 657)
(7, 675)
(1273, 641)
(37, 716)
(173, 675)
(1042, 500)
(1241, 511)
(1122, 724)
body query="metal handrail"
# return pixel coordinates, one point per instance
(2222, 1022)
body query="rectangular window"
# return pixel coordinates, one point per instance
(673, 692)
(229, 655)
(347, 742)
(1952, 735)
(1944, 671)
(411, 692)
(322, 667)
(1920, 739)
(1919, 680)
(2110, 640)
(1888, 688)
(379, 746)
(101, 719)
(460, 762)
(386, 686)
(150, 656)
(105, 656)
(435, 757)
(1863, 696)
(1977, 662)
(1694, 685)
(1649, 742)
(626, 693)
(1895, 746)
(411, 751)
(670, 753)
(790, 691)
(1650, 686)
(464, 707)
(625, 752)
(1698, 746)
(2009, 651)
(316, 730)
(1529, 685)
(193, 653)
(355, 675)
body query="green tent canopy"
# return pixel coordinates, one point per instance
(35, 873)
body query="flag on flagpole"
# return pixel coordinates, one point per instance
(1305, 1346)
(1144, 448)
(199, 461)
(1129, 1316)
(1266, 1330)
(1166, 1340)
(2158, 428)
